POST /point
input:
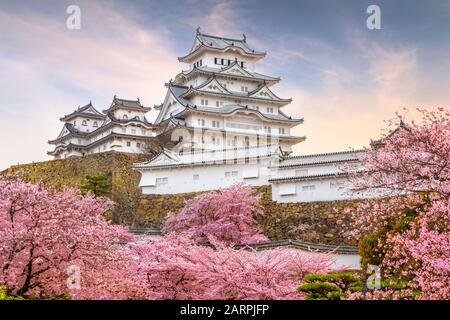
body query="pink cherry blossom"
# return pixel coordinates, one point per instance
(228, 215)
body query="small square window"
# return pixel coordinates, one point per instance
(195, 177)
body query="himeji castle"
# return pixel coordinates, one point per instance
(220, 123)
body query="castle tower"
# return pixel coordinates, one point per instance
(222, 101)
(220, 122)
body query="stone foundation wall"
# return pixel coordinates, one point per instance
(318, 222)
(72, 172)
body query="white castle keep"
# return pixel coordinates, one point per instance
(220, 123)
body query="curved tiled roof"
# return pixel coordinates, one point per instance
(221, 44)
(119, 103)
(237, 95)
(221, 71)
(88, 111)
(322, 158)
(229, 109)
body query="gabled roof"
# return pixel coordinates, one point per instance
(205, 157)
(232, 108)
(68, 129)
(175, 91)
(111, 118)
(119, 103)
(222, 44)
(228, 71)
(212, 85)
(380, 142)
(238, 95)
(88, 111)
(262, 91)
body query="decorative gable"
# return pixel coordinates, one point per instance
(63, 133)
(212, 85)
(164, 158)
(236, 69)
(92, 110)
(264, 92)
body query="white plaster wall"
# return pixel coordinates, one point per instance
(210, 177)
(89, 127)
(208, 59)
(326, 189)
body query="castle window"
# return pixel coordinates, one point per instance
(133, 131)
(195, 177)
(281, 131)
(144, 132)
(243, 64)
(84, 123)
(234, 173)
(95, 124)
(215, 124)
(201, 122)
(244, 89)
(204, 102)
(215, 60)
(309, 188)
(128, 144)
(269, 110)
(161, 181)
(125, 117)
(267, 129)
(124, 130)
(138, 144)
(75, 122)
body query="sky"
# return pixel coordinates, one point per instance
(345, 79)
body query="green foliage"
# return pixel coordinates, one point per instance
(5, 296)
(331, 286)
(99, 185)
(369, 249)
(372, 248)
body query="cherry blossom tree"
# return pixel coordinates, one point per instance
(411, 168)
(228, 215)
(45, 233)
(174, 267)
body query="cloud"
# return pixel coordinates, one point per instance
(347, 109)
(218, 18)
(48, 70)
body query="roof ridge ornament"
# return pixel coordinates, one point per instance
(197, 30)
(244, 38)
